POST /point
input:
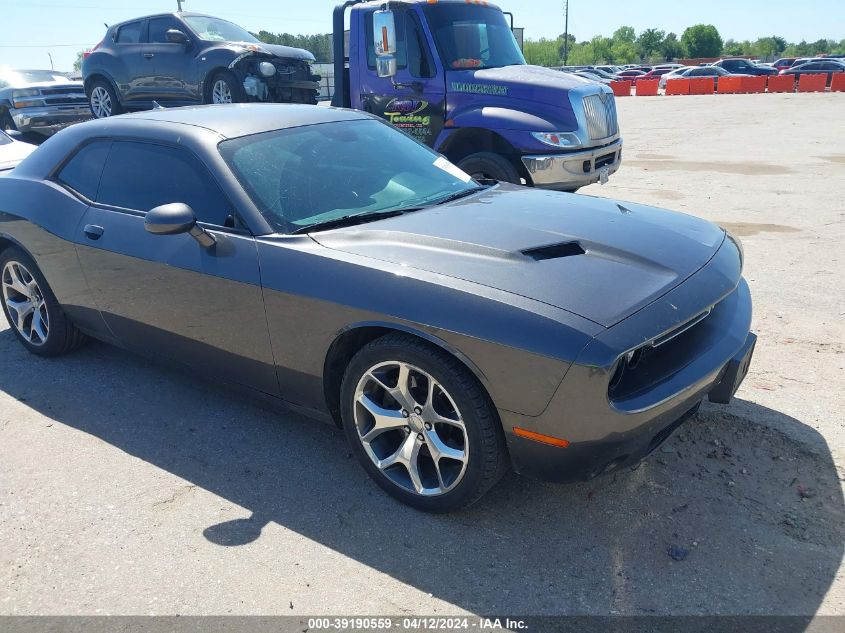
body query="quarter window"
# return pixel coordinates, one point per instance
(129, 33)
(142, 176)
(82, 172)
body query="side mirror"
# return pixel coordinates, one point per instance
(384, 38)
(175, 36)
(176, 218)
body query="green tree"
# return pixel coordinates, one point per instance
(649, 41)
(543, 52)
(732, 47)
(702, 40)
(77, 65)
(671, 48)
(625, 34)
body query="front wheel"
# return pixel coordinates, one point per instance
(31, 308)
(224, 88)
(421, 424)
(486, 165)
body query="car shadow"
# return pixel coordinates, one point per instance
(730, 516)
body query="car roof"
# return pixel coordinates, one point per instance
(243, 119)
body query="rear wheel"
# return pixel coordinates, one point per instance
(31, 308)
(103, 100)
(486, 165)
(421, 425)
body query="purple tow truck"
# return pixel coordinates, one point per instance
(451, 74)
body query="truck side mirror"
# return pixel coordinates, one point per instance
(384, 38)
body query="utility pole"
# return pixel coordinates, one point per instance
(51, 61)
(566, 33)
(179, 2)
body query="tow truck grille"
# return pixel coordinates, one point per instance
(600, 111)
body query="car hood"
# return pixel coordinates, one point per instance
(277, 50)
(605, 260)
(532, 83)
(45, 84)
(13, 153)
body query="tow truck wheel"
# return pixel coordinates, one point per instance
(490, 166)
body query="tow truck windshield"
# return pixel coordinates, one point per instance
(473, 36)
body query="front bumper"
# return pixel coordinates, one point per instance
(578, 169)
(606, 433)
(50, 119)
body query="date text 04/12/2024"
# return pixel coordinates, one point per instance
(417, 624)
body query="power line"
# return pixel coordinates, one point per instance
(42, 45)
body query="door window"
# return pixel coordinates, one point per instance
(82, 172)
(420, 61)
(159, 28)
(129, 33)
(142, 176)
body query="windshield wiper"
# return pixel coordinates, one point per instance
(350, 220)
(460, 194)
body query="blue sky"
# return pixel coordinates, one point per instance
(62, 27)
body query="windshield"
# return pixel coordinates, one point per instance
(309, 175)
(217, 30)
(472, 36)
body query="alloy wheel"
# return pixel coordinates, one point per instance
(101, 104)
(411, 428)
(25, 303)
(220, 92)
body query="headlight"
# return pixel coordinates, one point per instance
(558, 139)
(267, 69)
(24, 94)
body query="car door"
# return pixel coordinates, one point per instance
(415, 99)
(174, 71)
(132, 73)
(166, 295)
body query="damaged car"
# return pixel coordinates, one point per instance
(177, 59)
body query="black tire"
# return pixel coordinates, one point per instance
(94, 95)
(490, 166)
(487, 458)
(62, 336)
(6, 122)
(234, 86)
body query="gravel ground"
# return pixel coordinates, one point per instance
(129, 488)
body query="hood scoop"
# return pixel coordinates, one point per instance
(554, 251)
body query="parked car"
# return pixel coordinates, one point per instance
(251, 243)
(699, 71)
(783, 63)
(602, 74)
(591, 76)
(631, 75)
(827, 67)
(40, 101)
(744, 67)
(188, 58)
(657, 73)
(609, 70)
(12, 151)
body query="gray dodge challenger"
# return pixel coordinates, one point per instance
(323, 259)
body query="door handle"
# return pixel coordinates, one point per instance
(149, 55)
(93, 232)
